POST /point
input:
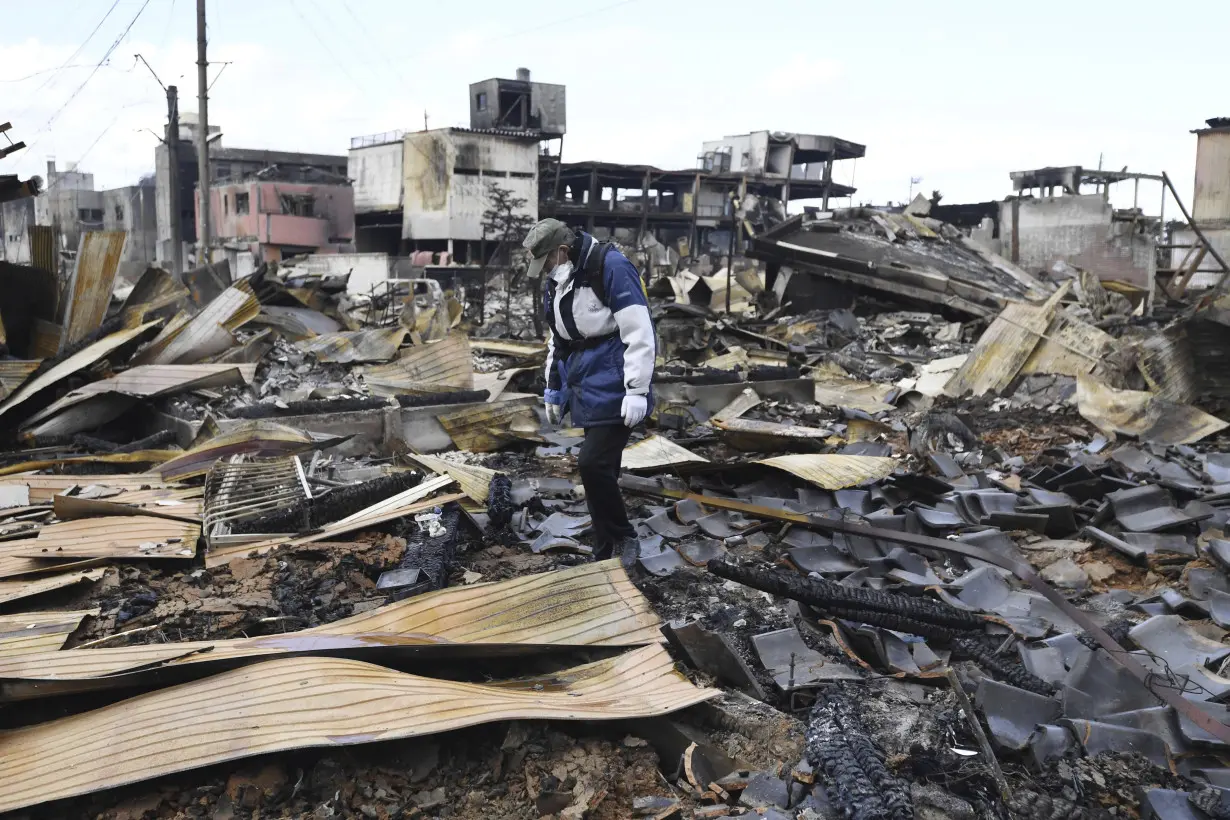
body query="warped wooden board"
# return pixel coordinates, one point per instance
(442, 365)
(16, 590)
(113, 536)
(589, 605)
(311, 702)
(473, 480)
(833, 471)
(656, 451)
(28, 632)
(78, 361)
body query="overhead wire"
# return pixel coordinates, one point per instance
(72, 56)
(86, 81)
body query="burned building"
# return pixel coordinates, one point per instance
(1210, 207)
(1055, 218)
(695, 210)
(225, 164)
(275, 214)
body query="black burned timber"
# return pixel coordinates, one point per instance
(1024, 572)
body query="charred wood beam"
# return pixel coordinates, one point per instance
(857, 779)
(918, 616)
(334, 505)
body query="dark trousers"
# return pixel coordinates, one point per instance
(598, 463)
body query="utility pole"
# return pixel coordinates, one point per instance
(176, 204)
(202, 150)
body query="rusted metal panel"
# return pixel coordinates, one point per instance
(305, 702)
(489, 427)
(588, 605)
(43, 247)
(208, 333)
(14, 372)
(44, 487)
(116, 536)
(375, 345)
(833, 471)
(1005, 347)
(28, 632)
(142, 381)
(16, 590)
(442, 365)
(252, 437)
(78, 361)
(89, 287)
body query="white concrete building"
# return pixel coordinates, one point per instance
(427, 190)
(1210, 203)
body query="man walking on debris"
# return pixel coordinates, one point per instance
(600, 360)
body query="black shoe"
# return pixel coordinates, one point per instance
(603, 551)
(629, 552)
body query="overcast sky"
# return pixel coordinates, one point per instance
(958, 93)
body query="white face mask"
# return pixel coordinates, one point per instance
(562, 271)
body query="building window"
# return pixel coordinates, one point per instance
(89, 214)
(119, 213)
(480, 101)
(222, 170)
(224, 210)
(241, 203)
(298, 204)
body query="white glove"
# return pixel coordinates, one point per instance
(555, 414)
(633, 410)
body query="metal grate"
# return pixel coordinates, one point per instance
(244, 488)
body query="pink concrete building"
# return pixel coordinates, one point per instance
(277, 220)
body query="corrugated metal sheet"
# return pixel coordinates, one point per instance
(15, 590)
(114, 536)
(589, 605)
(831, 471)
(78, 361)
(14, 372)
(141, 381)
(44, 487)
(376, 345)
(11, 566)
(89, 287)
(1166, 363)
(208, 333)
(156, 293)
(1004, 347)
(441, 365)
(1072, 347)
(252, 437)
(489, 427)
(1142, 414)
(44, 247)
(29, 632)
(473, 480)
(183, 505)
(656, 451)
(307, 702)
(219, 555)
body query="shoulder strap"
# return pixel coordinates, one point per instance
(595, 268)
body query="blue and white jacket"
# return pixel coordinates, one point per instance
(598, 350)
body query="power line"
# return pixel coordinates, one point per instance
(332, 54)
(85, 82)
(70, 57)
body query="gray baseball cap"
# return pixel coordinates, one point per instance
(544, 237)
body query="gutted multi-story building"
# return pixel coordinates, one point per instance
(428, 190)
(695, 210)
(225, 164)
(273, 215)
(1210, 207)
